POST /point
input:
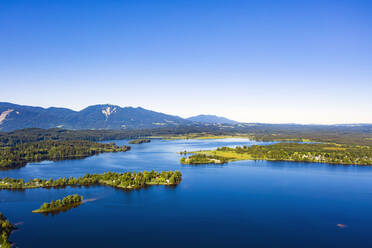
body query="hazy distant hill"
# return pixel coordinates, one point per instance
(13, 116)
(213, 119)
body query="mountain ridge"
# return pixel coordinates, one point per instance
(99, 116)
(212, 119)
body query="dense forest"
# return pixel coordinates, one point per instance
(37, 134)
(139, 141)
(300, 152)
(5, 229)
(322, 153)
(21, 154)
(66, 203)
(126, 180)
(342, 134)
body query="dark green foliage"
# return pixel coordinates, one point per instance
(66, 203)
(127, 180)
(36, 134)
(5, 229)
(20, 155)
(139, 141)
(322, 153)
(342, 134)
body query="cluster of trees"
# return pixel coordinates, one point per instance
(203, 159)
(126, 180)
(20, 155)
(64, 204)
(141, 179)
(5, 229)
(308, 152)
(139, 141)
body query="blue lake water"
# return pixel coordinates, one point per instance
(239, 204)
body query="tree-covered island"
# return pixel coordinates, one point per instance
(298, 152)
(126, 180)
(139, 141)
(203, 159)
(5, 229)
(66, 203)
(21, 154)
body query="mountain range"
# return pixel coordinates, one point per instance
(103, 116)
(211, 119)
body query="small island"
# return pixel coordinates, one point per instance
(139, 141)
(126, 180)
(66, 203)
(5, 229)
(287, 151)
(203, 159)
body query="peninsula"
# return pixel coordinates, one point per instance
(298, 152)
(21, 154)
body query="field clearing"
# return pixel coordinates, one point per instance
(202, 136)
(229, 155)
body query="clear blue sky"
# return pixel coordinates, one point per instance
(254, 61)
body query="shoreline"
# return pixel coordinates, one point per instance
(6, 187)
(248, 157)
(125, 180)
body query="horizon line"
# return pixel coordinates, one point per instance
(181, 116)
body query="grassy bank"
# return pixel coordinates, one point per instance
(228, 155)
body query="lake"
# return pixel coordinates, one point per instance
(239, 204)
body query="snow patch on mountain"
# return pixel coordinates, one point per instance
(4, 114)
(108, 111)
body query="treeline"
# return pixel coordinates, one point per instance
(5, 229)
(342, 134)
(126, 180)
(306, 152)
(21, 154)
(203, 159)
(64, 204)
(139, 141)
(37, 134)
